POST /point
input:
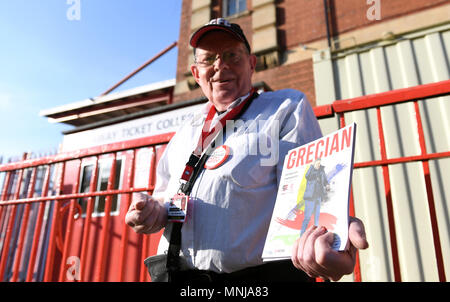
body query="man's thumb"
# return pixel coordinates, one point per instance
(357, 234)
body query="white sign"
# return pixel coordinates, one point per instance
(147, 126)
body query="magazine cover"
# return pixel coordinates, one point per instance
(314, 190)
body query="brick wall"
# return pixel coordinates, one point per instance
(296, 76)
(183, 40)
(298, 21)
(303, 21)
(351, 14)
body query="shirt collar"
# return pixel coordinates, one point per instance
(234, 104)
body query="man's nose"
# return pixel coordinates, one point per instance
(220, 63)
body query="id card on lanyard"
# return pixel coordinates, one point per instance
(178, 206)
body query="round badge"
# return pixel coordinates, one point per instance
(218, 157)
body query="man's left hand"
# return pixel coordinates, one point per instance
(313, 254)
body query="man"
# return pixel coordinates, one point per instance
(315, 192)
(231, 201)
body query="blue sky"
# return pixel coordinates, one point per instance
(54, 52)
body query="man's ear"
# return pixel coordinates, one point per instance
(194, 71)
(253, 62)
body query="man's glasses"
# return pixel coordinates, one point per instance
(229, 57)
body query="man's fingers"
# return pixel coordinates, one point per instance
(129, 221)
(315, 256)
(139, 200)
(314, 269)
(313, 252)
(303, 252)
(297, 253)
(309, 249)
(140, 210)
(357, 233)
(141, 216)
(337, 263)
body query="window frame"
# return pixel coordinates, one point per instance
(102, 165)
(238, 9)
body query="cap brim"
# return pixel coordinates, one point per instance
(202, 31)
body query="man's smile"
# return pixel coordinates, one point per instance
(221, 80)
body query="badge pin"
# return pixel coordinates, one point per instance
(218, 157)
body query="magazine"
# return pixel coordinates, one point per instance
(314, 189)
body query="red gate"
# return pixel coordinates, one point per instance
(415, 95)
(40, 243)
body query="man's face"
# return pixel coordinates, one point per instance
(229, 77)
(317, 164)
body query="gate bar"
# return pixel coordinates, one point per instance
(3, 194)
(100, 275)
(431, 205)
(70, 196)
(23, 228)
(357, 269)
(37, 230)
(92, 151)
(69, 230)
(393, 97)
(147, 238)
(389, 204)
(87, 222)
(125, 228)
(52, 239)
(9, 230)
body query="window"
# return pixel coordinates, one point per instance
(233, 7)
(102, 185)
(103, 171)
(41, 172)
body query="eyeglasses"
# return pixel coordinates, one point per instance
(229, 57)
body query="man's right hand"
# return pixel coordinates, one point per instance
(146, 214)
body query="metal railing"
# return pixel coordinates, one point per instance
(377, 101)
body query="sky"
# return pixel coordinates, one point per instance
(56, 52)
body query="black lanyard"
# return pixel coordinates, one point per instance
(205, 142)
(194, 167)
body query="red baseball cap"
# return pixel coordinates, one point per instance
(219, 24)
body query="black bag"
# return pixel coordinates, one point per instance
(160, 267)
(156, 266)
(158, 270)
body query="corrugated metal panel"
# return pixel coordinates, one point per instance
(419, 58)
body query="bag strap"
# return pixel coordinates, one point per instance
(173, 253)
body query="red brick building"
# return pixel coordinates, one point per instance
(285, 33)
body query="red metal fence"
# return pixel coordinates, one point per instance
(49, 231)
(415, 95)
(70, 244)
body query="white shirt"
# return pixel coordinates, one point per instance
(231, 206)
